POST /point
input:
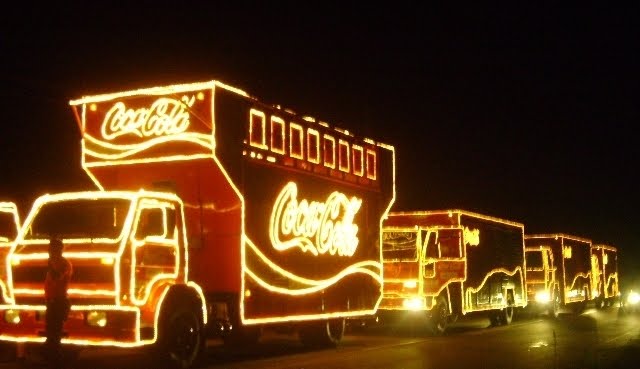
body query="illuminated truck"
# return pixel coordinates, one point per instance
(9, 226)
(565, 281)
(604, 272)
(444, 264)
(215, 215)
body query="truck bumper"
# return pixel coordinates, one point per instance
(94, 325)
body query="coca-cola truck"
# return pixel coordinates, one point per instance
(444, 264)
(604, 272)
(558, 272)
(214, 215)
(9, 226)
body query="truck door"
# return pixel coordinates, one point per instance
(441, 259)
(155, 249)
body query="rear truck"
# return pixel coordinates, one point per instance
(566, 285)
(215, 216)
(444, 264)
(604, 272)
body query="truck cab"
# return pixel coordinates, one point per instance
(129, 255)
(542, 288)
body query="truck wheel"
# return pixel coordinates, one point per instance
(554, 307)
(327, 333)
(599, 303)
(181, 341)
(506, 315)
(439, 319)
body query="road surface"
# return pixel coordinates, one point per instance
(596, 339)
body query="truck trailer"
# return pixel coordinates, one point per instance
(558, 273)
(444, 264)
(214, 215)
(604, 271)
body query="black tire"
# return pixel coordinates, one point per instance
(439, 319)
(506, 315)
(494, 318)
(327, 333)
(181, 340)
(554, 307)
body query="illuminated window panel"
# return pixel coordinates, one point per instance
(371, 164)
(296, 142)
(358, 160)
(313, 146)
(343, 156)
(329, 151)
(257, 129)
(277, 135)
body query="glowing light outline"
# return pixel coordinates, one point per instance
(296, 127)
(263, 127)
(316, 134)
(327, 138)
(357, 148)
(275, 120)
(345, 144)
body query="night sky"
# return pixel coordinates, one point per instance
(522, 113)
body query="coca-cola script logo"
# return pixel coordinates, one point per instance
(317, 227)
(164, 117)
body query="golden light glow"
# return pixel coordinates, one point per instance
(471, 237)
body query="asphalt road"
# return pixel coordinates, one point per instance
(596, 339)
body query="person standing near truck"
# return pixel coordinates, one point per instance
(55, 290)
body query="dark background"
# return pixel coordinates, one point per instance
(523, 112)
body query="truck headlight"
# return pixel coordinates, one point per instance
(12, 316)
(415, 303)
(410, 284)
(633, 298)
(543, 297)
(97, 318)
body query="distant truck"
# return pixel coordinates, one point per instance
(604, 271)
(444, 264)
(216, 216)
(558, 273)
(9, 227)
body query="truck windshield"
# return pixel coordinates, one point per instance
(79, 218)
(534, 259)
(399, 245)
(8, 228)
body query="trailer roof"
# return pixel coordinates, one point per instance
(455, 211)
